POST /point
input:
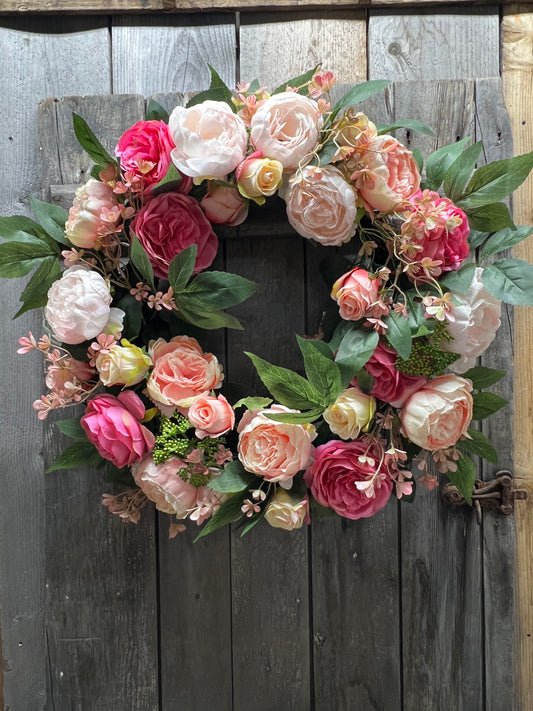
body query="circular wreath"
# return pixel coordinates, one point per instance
(390, 384)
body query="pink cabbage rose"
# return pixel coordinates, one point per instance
(224, 206)
(436, 230)
(211, 416)
(94, 213)
(274, 450)
(285, 127)
(170, 223)
(316, 195)
(144, 150)
(181, 371)
(356, 294)
(210, 139)
(477, 318)
(345, 477)
(385, 174)
(438, 413)
(389, 384)
(112, 425)
(78, 307)
(285, 512)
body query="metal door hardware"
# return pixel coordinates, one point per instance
(497, 494)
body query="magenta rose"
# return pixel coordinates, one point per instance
(170, 223)
(389, 384)
(144, 150)
(113, 425)
(346, 477)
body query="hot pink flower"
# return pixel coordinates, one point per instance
(144, 150)
(347, 477)
(389, 384)
(113, 425)
(168, 224)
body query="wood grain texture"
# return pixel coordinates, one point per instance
(36, 54)
(518, 89)
(432, 44)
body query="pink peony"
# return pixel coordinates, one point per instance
(211, 416)
(390, 385)
(224, 206)
(113, 425)
(438, 413)
(346, 477)
(434, 230)
(144, 150)
(94, 213)
(168, 224)
(314, 197)
(356, 294)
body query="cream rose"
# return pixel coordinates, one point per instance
(210, 139)
(286, 127)
(123, 365)
(321, 205)
(88, 216)
(211, 416)
(258, 177)
(283, 512)
(438, 413)
(351, 412)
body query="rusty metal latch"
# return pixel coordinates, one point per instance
(497, 494)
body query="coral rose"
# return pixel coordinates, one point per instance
(210, 139)
(345, 477)
(389, 384)
(351, 412)
(321, 205)
(144, 150)
(477, 318)
(181, 371)
(170, 223)
(92, 215)
(438, 413)
(224, 206)
(123, 365)
(356, 294)
(283, 512)
(211, 416)
(258, 176)
(285, 127)
(112, 425)
(274, 450)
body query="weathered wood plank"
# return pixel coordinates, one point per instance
(101, 605)
(518, 86)
(36, 55)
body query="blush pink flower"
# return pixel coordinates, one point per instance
(92, 214)
(211, 416)
(112, 425)
(224, 206)
(436, 415)
(390, 385)
(170, 223)
(144, 150)
(350, 478)
(356, 294)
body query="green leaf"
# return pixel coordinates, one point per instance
(460, 280)
(218, 290)
(140, 261)
(169, 182)
(18, 258)
(90, 143)
(460, 170)
(287, 387)
(79, 454)
(52, 218)
(365, 381)
(253, 521)
(464, 478)
(190, 311)
(417, 155)
(72, 428)
(133, 319)
(356, 347)
(155, 112)
(478, 445)
(325, 154)
(440, 160)
(181, 268)
(489, 218)
(21, 229)
(483, 377)
(299, 81)
(359, 93)
(321, 371)
(418, 323)
(505, 239)
(218, 91)
(233, 478)
(497, 180)
(476, 239)
(253, 403)
(486, 404)
(510, 280)
(296, 418)
(399, 334)
(229, 512)
(35, 294)
(411, 124)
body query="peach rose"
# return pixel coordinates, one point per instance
(210, 139)
(258, 177)
(356, 294)
(92, 215)
(321, 205)
(224, 206)
(211, 416)
(351, 412)
(286, 127)
(181, 371)
(386, 175)
(274, 450)
(283, 512)
(438, 413)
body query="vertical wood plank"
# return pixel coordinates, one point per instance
(518, 87)
(39, 57)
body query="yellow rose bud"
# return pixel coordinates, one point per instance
(355, 131)
(283, 512)
(259, 177)
(351, 412)
(123, 365)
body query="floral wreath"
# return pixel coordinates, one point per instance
(390, 384)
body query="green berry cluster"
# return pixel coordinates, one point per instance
(172, 440)
(426, 356)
